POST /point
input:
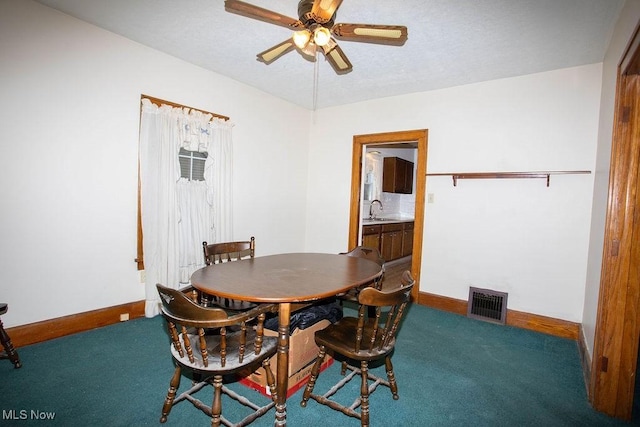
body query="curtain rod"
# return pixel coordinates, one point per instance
(159, 102)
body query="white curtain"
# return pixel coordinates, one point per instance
(195, 225)
(178, 214)
(218, 171)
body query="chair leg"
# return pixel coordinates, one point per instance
(314, 375)
(364, 394)
(216, 407)
(171, 394)
(10, 351)
(271, 380)
(391, 377)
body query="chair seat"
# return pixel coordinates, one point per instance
(233, 364)
(3, 308)
(340, 337)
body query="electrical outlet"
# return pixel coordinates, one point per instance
(124, 317)
(143, 276)
(430, 198)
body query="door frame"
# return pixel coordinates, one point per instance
(613, 366)
(418, 136)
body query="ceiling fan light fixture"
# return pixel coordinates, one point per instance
(309, 51)
(321, 36)
(301, 38)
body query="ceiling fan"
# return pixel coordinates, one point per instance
(316, 28)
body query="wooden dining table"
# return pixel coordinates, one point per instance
(290, 280)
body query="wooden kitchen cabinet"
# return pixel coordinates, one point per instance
(391, 241)
(397, 175)
(407, 239)
(371, 236)
(394, 240)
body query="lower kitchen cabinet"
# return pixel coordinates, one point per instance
(407, 239)
(393, 240)
(371, 236)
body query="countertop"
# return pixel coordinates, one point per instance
(383, 220)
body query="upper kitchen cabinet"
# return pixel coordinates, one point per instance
(397, 175)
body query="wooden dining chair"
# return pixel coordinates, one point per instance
(9, 351)
(366, 252)
(214, 346)
(362, 339)
(217, 253)
(372, 254)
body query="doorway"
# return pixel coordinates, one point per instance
(389, 139)
(615, 355)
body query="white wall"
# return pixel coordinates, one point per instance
(68, 181)
(516, 236)
(629, 18)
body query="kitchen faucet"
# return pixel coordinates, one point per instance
(371, 214)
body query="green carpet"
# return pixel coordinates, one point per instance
(451, 371)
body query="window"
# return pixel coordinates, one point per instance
(192, 164)
(193, 169)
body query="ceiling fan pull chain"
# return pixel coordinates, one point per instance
(315, 82)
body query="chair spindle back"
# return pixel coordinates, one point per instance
(383, 326)
(217, 253)
(189, 321)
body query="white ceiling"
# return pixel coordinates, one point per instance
(451, 42)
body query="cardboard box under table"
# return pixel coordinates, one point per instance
(302, 352)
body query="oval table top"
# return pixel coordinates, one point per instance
(293, 277)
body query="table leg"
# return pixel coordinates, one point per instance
(282, 376)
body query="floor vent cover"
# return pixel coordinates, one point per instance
(485, 304)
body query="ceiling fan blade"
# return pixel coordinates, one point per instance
(275, 52)
(382, 34)
(323, 10)
(337, 59)
(255, 12)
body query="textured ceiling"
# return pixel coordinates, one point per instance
(450, 42)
